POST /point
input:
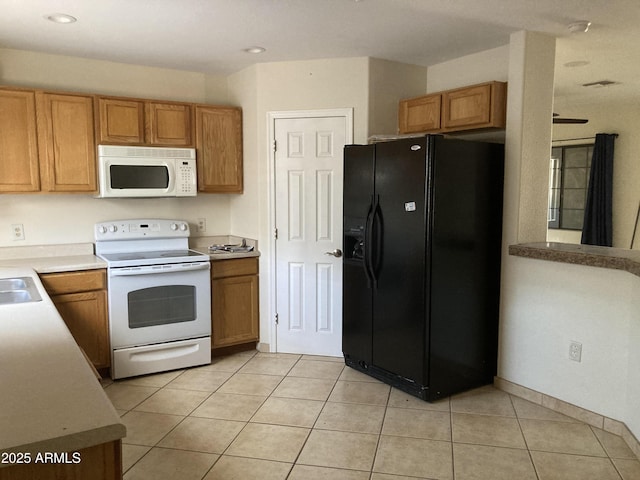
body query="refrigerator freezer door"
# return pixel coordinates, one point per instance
(357, 281)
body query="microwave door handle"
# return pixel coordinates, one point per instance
(171, 168)
(116, 272)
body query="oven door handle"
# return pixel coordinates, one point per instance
(150, 270)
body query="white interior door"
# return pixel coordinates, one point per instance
(308, 212)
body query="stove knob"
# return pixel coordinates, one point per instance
(113, 228)
(174, 227)
(183, 227)
(102, 229)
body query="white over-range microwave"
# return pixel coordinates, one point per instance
(125, 171)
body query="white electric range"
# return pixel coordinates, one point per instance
(159, 296)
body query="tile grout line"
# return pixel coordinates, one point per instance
(604, 449)
(384, 417)
(524, 437)
(295, 462)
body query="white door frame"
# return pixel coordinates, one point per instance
(347, 113)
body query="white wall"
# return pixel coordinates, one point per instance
(69, 218)
(468, 70)
(74, 74)
(390, 82)
(552, 304)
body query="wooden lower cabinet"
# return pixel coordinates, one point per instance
(81, 300)
(234, 302)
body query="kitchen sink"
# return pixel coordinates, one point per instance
(18, 290)
(7, 284)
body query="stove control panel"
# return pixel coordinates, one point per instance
(141, 228)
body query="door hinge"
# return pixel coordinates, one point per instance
(275, 146)
(275, 233)
(277, 319)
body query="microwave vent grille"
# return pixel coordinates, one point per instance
(144, 152)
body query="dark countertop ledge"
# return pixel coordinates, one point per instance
(589, 255)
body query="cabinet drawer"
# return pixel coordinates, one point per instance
(234, 268)
(69, 282)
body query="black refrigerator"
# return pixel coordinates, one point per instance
(421, 268)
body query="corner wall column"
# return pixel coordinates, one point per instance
(528, 137)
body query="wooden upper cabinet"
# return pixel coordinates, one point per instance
(169, 124)
(66, 142)
(480, 106)
(19, 169)
(219, 149)
(124, 121)
(120, 121)
(420, 114)
(469, 108)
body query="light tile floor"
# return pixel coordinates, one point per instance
(275, 417)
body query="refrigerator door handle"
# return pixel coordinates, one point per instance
(367, 245)
(376, 254)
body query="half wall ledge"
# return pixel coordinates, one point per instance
(588, 255)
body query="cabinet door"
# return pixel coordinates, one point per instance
(169, 124)
(66, 142)
(420, 114)
(85, 314)
(467, 107)
(219, 149)
(19, 171)
(234, 310)
(120, 121)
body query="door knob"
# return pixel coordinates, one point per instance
(336, 253)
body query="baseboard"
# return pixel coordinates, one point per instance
(591, 418)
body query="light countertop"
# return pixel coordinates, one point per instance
(52, 258)
(202, 244)
(50, 399)
(75, 257)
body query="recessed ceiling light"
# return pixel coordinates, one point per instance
(61, 18)
(255, 50)
(581, 26)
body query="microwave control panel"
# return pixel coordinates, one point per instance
(186, 184)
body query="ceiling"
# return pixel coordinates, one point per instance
(210, 36)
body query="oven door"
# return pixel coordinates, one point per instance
(159, 303)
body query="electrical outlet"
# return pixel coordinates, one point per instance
(17, 231)
(575, 351)
(202, 224)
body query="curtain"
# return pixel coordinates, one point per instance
(597, 225)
